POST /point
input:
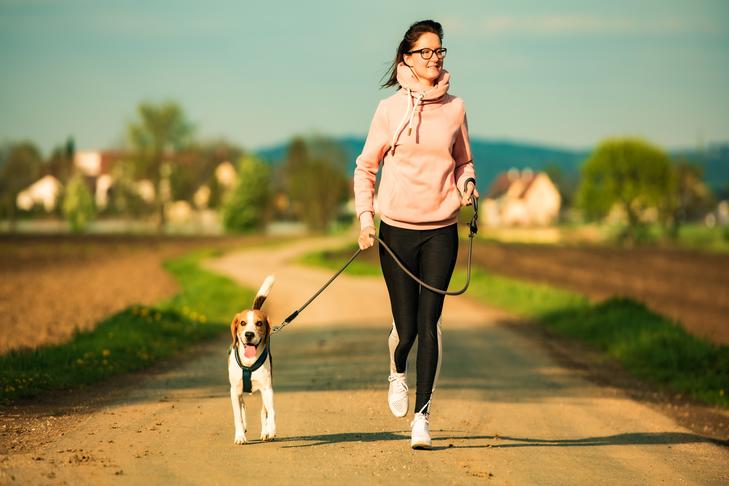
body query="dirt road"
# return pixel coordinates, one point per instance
(504, 411)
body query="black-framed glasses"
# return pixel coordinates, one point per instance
(427, 53)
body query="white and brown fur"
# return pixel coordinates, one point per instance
(252, 327)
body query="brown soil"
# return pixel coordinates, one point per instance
(688, 286)
(51, 286)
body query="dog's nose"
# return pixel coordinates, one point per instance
(249, 335)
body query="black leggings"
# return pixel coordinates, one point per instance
(431, 255)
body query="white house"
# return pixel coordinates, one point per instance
(521, 198)
(44, 191)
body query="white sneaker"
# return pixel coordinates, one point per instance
(420, 436)
(397, 396)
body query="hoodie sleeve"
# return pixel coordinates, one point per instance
(368, 163)
(462, 155)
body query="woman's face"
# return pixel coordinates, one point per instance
(427, 70)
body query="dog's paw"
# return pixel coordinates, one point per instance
(268, 432)
(240, 439)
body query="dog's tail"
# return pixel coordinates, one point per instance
(263, 292)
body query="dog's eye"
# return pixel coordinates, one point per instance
(259, 323)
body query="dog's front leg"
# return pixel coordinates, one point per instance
(239, 414)
(268, 415)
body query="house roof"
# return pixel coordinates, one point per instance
(499, 186)
(504, 180)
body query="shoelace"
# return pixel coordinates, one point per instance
(425, 418)
(400, 381)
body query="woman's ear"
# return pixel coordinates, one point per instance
(234, 330)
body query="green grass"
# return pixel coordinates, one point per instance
(648, 345)
(131, 339)
(699, 237)
(528, 299)
(334, 259)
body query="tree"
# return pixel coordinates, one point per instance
(195, 166)
(124, 197)
(20, 165)
(566, 183)
(160, 130)
(78, 204)
(246, 206)
(687, 198)
(629, 172)
(60, 164)
(316, 180)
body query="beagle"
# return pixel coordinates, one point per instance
(250, 367)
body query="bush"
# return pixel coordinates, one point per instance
(78, 204)
(245, 208)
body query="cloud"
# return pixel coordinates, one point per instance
(578, 24)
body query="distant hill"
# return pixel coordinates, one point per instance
(494, 156)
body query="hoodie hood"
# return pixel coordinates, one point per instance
(407, 79)
(417, 95)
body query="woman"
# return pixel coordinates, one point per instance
(420, 136)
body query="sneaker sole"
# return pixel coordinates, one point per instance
(421, 446)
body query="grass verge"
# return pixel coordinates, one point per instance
(131, 339)
(650, 346)
(334, 259)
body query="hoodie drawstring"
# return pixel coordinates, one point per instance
(418, 100)
(400, 125)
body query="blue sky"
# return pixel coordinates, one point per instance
(563, 73)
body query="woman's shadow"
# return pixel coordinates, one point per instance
(462, 441)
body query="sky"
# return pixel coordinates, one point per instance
(560, 73)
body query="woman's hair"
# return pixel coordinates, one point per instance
(408, 41)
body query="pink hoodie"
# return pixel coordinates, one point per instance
(425, 163)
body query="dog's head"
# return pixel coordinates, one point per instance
(252, 328)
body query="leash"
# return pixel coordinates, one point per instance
(473, 229)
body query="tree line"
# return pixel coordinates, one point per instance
(309, 185)
(312, 182)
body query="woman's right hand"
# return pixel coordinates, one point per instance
(366, 237)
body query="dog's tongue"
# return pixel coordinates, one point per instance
(249, 351)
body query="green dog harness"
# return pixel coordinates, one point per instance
(248, 370)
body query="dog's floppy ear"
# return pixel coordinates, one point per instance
(263, 293)
(234, 330)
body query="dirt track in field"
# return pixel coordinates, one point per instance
(505, 410)
(51, 286)
(688, 286)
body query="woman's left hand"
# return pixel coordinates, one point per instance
(466, 197)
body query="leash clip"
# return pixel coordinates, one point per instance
(473, 224)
